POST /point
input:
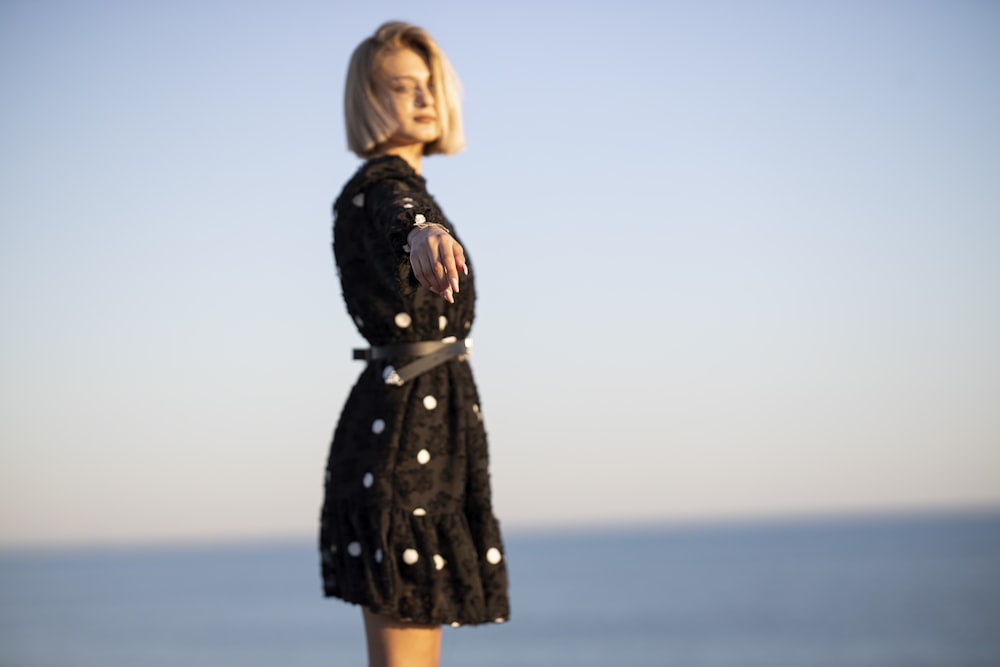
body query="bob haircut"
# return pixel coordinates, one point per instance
(369, 123)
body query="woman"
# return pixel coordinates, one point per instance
(407, 528)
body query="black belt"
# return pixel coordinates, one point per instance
(429, 354)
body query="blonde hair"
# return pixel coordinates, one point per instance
(369, 123)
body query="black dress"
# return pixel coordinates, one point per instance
(407, 527)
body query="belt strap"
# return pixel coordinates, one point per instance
(430, 354)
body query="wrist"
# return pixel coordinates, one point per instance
(417, 229)
(421, 227)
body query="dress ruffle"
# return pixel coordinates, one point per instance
(433, 570)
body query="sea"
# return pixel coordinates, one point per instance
(887, 591)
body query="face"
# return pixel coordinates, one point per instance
(408, 92)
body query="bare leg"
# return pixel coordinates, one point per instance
(393, 643)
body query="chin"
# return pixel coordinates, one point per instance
(430, 134)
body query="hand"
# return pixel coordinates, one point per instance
(436, 258)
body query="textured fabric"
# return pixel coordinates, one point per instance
(407, 527)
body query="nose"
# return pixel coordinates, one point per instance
(424, 97)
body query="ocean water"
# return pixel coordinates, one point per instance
(885, 592)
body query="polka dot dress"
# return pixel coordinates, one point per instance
(407, 527)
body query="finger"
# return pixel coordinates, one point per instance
(429, 269)
(449, 264)
(428, 277)
(459, 255)
(437, 275)
(421, 270)
(440, 273)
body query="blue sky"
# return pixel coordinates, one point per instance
(735, 259)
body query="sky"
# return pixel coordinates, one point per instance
(734, 259)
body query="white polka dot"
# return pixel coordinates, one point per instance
(439, 562)
(358, 200)
(468, 324)
(378, 426)
(333, 548)
(442, 322)
(499, 619)
(419, 218)
(378, 555)
(368, 480)
(420, 511)
(407, 205)
(410, 556)
(354, 549)
(423, 456)
(493, 556)
(360, 322)
(390, 376)
(456, 624)
(403, 320)
(430, 402)
(479, 415)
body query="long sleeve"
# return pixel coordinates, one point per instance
(373, 216)
(395, 206)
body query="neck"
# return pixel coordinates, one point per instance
(411, 153)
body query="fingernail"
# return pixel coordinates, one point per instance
(465, 268)
(448, 296)
(454, 284)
